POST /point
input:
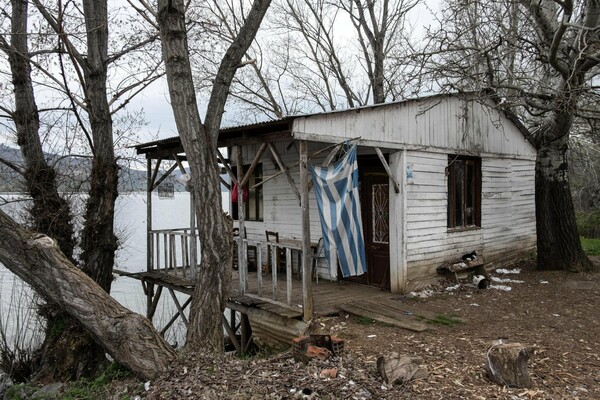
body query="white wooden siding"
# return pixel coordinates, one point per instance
(507, 213)
(281, 207)
(440, 122)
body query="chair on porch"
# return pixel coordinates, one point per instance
(273, 237)
(251, 254)
(318, 253)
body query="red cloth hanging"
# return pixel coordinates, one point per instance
(234, 193)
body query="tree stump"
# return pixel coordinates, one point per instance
(403, 368)
(506, 365)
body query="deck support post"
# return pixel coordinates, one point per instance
(245, 333)
(242, 254)
(307, 296)
(149, 290)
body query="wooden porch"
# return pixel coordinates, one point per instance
(275, 322)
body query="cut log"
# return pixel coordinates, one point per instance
(506, 365)
(394, 368)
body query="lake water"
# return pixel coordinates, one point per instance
(130, 225)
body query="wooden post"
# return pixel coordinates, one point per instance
(193, 238)
(149, 253)
(242, 261)
(307, 297)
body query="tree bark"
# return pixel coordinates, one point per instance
(200, 144)
(51, 214)
(98, 241)
(128, 337)
(558, 244)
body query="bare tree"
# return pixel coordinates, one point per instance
(314, 55)
(51, 212)
(200, 143)
(540, 58)
(380, 26)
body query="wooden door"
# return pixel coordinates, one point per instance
(374, 201)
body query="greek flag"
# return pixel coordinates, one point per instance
(336, 189)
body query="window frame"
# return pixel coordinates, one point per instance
(257, 176)
(474, 196)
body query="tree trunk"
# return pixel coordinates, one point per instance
(51, 214)
(128, 337)
(558, 244)
(98, 241)
(200, 144)
(214, 274)
(67, 352)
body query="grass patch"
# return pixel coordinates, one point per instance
(98, 388)
(365, 321)
(446, 320)
(591, 246)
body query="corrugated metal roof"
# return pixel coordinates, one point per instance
(259, 125)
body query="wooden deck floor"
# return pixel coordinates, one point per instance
(329, 298)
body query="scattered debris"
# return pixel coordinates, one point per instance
(320, 347)
(329, 373)
(451, 288)
(508, 271)
(505, 280)
(423, 294)
(501, 287)
(394, 368)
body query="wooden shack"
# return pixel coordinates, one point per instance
(439, 176)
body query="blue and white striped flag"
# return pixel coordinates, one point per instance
(336, 189)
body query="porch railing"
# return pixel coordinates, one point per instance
(175, 251)
(271, 290)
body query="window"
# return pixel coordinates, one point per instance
(254, 203)
(464, 192)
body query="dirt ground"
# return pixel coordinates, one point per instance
(555, 314)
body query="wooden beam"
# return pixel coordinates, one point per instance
(152, 306)
(307, 296)
(155, 174)
(226, 166)
(179, 308)
(257, 158)
(164, 176)
(242, 244)
(231, 333)
(174, 317)
(225, 183)
(388, 170)
(284, 169)
(180, 165)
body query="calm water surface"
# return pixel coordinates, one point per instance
(130, 225)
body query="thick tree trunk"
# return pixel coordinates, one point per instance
(51, 214)
(558, 244)
(67, 352)
(98, 241)
(200, 144)
(214, 273)
(128, 337)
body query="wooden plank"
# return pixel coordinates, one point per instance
(261, 302)
(421, 312)
(226, 166)
(388, 170)
(253, 165)
(284, 169)
(405, 323)
(307, 295)
(242, 246)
